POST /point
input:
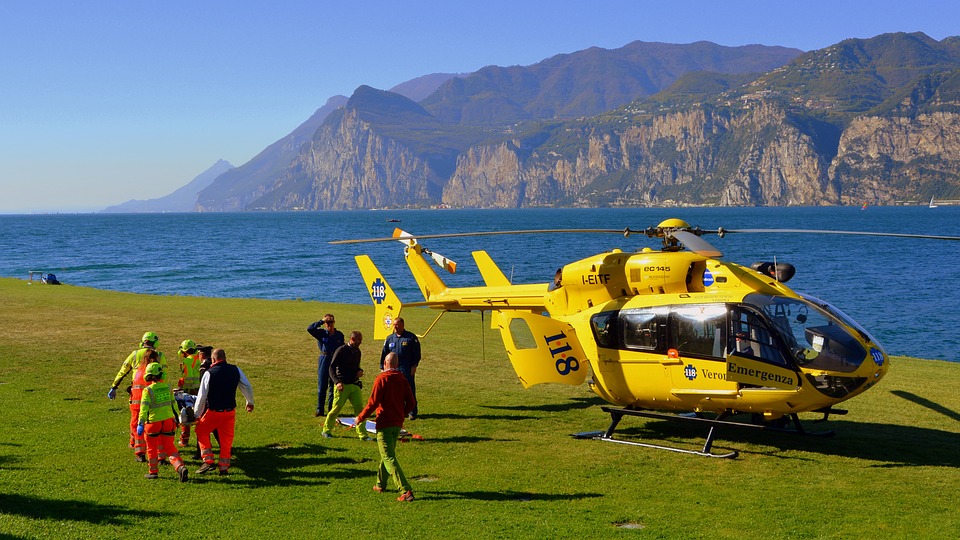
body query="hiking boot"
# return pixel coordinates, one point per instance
(205, 468)
(326, 435)
(406, 497)
(365, 439)
(318, 413)
(182, 471)
(224, 472)
(141, 458)
(379, 489)
(151, 476)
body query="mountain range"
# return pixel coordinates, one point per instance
(862, 121)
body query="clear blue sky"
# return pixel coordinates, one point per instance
(106, 101)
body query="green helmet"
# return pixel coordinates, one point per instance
(153, 368)
(150, 338)
(188, 345)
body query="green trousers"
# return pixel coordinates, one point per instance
(351, 393)
(389, 466)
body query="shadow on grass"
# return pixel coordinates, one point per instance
(6, 461)
(73, 510)
(509, 496)
(283, 465)
(887, 444)
(570, 405)
(465, 439)
(924, 402)
(452, 416)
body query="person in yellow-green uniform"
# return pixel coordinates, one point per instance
(135, 363)
(158, 420)
(190, 380)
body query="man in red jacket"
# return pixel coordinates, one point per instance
(393, 400)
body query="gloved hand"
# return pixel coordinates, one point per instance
(140, 430)
(112, 393)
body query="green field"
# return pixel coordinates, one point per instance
(496, 461)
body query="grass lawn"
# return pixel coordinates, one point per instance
(496, 461)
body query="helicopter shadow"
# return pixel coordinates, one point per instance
(924, 402)
(571, 404)
(887, 445)
(454, 416)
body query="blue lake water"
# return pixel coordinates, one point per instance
(904, 291)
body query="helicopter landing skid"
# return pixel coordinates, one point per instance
(617, 414)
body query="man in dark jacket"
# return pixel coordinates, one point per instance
(345, 375)
(393, 400)
(329, 339)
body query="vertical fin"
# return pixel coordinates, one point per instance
(492, 275)
(386, 304)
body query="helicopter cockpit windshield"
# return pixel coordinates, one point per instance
(812, 332)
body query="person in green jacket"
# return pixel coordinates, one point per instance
(159, 415)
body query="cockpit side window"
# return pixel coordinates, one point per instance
(699, 330)
(644, 329)
(751, 337)
(604, 326)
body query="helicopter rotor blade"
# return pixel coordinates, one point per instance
(443, 262)
(691, 243)
(695, 244)
(409, 240)
(721, 232)
(406, 236)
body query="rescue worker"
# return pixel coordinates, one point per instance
(135, 362)
(189, 382)
(216, 409)
(407, 347)
(158, 421)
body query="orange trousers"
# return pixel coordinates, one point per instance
(223, 422)
(138, 444)
(160, 435)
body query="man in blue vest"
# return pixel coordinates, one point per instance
(216, 408)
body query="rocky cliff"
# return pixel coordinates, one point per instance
(348, 165)
(752, 157)
(862, 122)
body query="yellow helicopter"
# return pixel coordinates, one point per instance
(675, 329)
